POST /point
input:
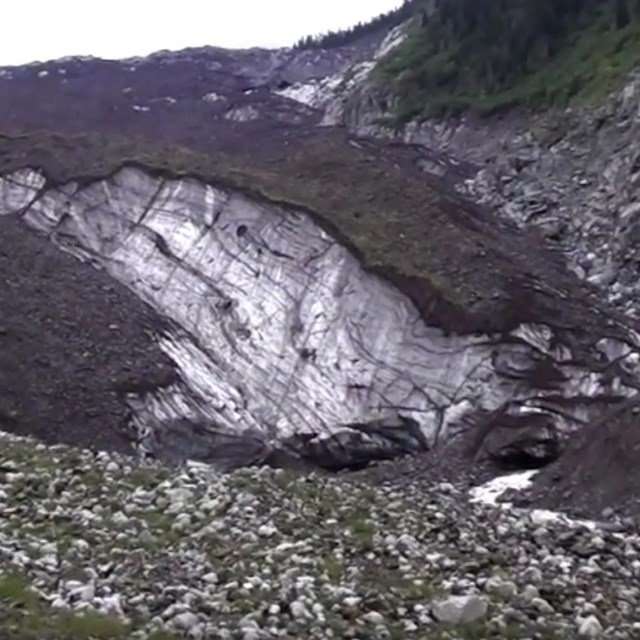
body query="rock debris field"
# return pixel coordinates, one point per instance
(93, 546)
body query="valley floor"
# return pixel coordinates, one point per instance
(93, 546)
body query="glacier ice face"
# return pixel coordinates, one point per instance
(280, 336)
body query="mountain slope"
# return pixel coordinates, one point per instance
(197, 268)
(495, 55)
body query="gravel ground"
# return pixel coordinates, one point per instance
(73, 343)
(92, 545)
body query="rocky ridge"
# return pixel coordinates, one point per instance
(571, 174)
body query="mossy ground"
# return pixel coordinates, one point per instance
(25, 616)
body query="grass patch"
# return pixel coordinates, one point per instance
(162, 634)
(159, 524)
(24, 616)
(147, 478)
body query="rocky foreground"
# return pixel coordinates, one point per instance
(93, 546)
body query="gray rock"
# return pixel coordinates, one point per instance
(530, 592)
(299, 611)
(533, 575)
(504, 588)
(542, 605)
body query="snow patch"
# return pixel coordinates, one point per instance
(319, 93)
(490, 493)
(395, 38)
(212, 97)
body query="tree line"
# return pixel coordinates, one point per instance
(467, 49)
(343, 37)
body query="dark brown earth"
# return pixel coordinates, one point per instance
(449, 464)
(598, 474)
(73, 341)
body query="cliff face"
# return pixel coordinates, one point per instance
(284, 345)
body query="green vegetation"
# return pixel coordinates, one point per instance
(492, 55)
(25, 616)
(345, 37)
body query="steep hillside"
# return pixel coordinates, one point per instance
(236, 251)
(486, 56)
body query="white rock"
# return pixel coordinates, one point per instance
(210, 578)
(460, 609)
(59, 603)
(185, 621)
(119, 519)
(111, 604)
(503, 588)
(48, 548)
(80, 545)
(85, 593)
(590, 628)
(530, 592)
(267, 531)
(351, 602)
(299, 611)
(373, 617)
(182, 522)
